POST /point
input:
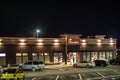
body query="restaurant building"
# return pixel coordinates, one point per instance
(68, 48)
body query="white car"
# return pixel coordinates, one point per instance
(86, 64)
(32, 65)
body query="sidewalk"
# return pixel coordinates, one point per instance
(62, 65)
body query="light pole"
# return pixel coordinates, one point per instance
(37, 32)
(66, 49)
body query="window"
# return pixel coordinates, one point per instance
(35, 63)
(2, 54)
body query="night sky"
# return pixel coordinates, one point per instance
(21, 19)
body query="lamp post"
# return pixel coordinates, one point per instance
(37, 32)
(66, 49)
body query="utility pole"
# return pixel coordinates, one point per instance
(66, 49)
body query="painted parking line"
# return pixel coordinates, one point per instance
(34, 78)
(117, 72)
(57, 77)
(100, 74)
(80, 76)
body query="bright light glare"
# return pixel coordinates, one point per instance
(38, 30)
(39, 43)
(111, 40)
(22, 40)
(0, 43)
(111, 43)
(40, 40)
(56, 43)
(83, 40)
(2, 54)
(99, 41)
(56, 40)
(22, 43)
(84, 43)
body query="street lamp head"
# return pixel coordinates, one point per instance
(38, 31)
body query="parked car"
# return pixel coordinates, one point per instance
(115, 61)
(12, 74)
(32, 65)
(102, 63)
(86, 64)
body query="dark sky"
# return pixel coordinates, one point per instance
(21, 19)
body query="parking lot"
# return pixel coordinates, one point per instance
(111, 72)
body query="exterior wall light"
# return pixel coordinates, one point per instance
(83, 43)
(56, 43)
(83, 40)
(40, 40)
(111, 43)
(22, 43)
(56, 40)
(22, 40)
(1, 43)
(39, 43)
(98, 41)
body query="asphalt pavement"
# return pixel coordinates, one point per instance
(58, 65)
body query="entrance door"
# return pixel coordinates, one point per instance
(72, 57)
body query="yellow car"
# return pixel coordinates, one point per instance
(12, 73)
(86, 64)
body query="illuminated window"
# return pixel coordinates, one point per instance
(46, 54)
(25, 54)
(34, 54)
(41, 54)
(18, 54)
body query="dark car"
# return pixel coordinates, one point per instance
(102, 63)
